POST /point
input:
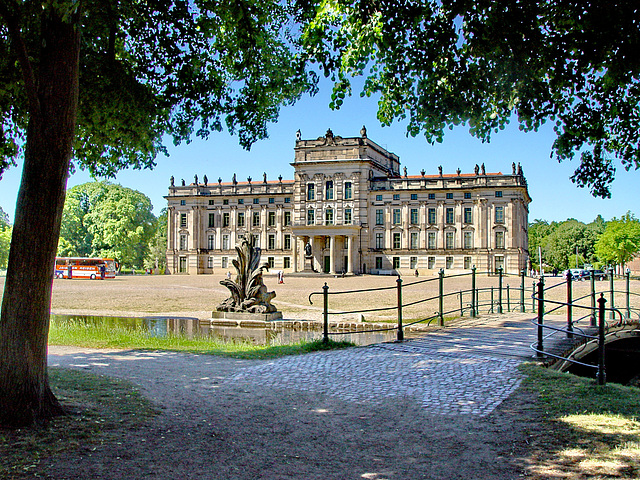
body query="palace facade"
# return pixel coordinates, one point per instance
(350, 209)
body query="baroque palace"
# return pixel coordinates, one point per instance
(351, 210)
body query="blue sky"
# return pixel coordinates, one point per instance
(554, 196)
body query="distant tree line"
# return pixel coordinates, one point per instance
(571, 242)
(5, 238)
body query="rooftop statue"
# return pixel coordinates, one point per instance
(248, 293)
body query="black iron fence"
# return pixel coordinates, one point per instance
(498, 297)
(591, 307)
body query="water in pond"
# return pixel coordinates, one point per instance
(192, 327)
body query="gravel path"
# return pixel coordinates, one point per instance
(391, 411)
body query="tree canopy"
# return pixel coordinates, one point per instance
(620, 241)
(102, 82)
(440, 64)
(101, 219)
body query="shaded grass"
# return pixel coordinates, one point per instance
(99, 409)
(101, 336)
(594, 431)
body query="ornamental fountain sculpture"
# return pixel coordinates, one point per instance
(249, 296)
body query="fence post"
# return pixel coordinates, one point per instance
(611, 293)
(474, 299)
(400, 330)
(441, 297)
(500, 290)
(569, 306)
(461, 309)
(325, 294)
(628, 277)
(522, 275)
(533, 297)
(491, 311)
(602, 378)
(540, 346)
(594, 321)
(508, 300)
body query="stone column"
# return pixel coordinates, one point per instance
(313, 251)
(349, 241)
(332, 248)
(294, 259)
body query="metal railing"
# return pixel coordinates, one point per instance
(594, 308)
(492, 299)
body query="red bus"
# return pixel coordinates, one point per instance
(82, 267)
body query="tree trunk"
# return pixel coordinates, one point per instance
(25, 396)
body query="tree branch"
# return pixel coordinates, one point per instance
(23, 57)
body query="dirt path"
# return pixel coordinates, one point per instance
(221, 420)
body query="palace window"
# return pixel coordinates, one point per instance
(414, 240)
(499, 214)
(183, 242)
(311, 217)
(498, 193)
(225, 242)
(225, 262)
(272, 200)
(256, 201)
(311, 191)
(225, 201)
(379, 263)
(211, 244)
(499, 239)
(209, 262)
(287, 242)
(414, 216)
(287, 199)
(449, 216)
(449, 262)
(397, 240)
(271, 261)
(449, 196)
(328, 216)
(431, 262)
(467, 195)
(183, 202)
(413, 263)
(378, 198)
(271, 219)
(379, 216)
(347, 191)
(287, 262)
(414, 196)
(287, 219)
(183, 220)
(255, 221)
(467, 263)
(271, 242)
(449, 241)
(396, 262)
(329, 190)
(241, 201)
(432, 196)
(396, 196)
(468, 216)
(211, 202)
(379, 240)
(240, 219)
(396, 216)
(225, 219)
(468, 240)
(431, 240)
(212, 220)
(432, 216)
(347, 216)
